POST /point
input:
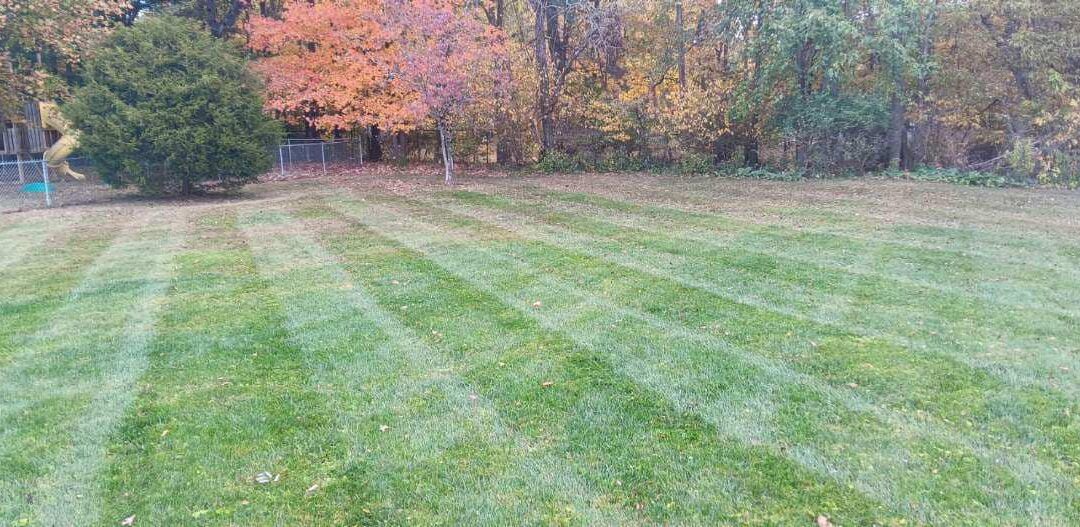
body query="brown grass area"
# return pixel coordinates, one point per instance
(1049, 211)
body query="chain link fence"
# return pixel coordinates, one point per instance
(311, 157)
(29, 184)
(24, 185)
(315, 156)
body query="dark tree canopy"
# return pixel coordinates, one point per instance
(170, 109)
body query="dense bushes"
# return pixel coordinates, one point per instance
(958, 177)
(169, 109)
(697, 165)
(561, 163)
(832, 133)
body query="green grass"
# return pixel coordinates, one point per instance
(520, 352)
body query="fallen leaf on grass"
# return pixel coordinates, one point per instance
(263, 478)
(314, 487)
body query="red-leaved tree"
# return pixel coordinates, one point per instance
(450, 59)
(339, 64)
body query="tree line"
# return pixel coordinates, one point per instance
(802, 86)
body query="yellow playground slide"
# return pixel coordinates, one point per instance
(56, 155)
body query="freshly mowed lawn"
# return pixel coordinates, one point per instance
(594, 350)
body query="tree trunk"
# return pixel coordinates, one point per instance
(502, 144)
(226, 24)
(1021, 70)
(681, 45)
(22, 147)
(915, 152)
(445, 141)
(801, 156)
(751, 152)
(917, 142)
(543, 108)
(502, 151)
(909, 159)
(374, 149)
(803, 61)
(400, 153)
(895, 136)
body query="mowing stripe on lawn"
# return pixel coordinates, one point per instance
(878, 203)
(957, 389)
(670, 464)
(805, 419)
(951, 272)
(24, 236)
(1051, 253)
(1012, 224)
(970, 402)
(33, 288)
(1013, 419)
(1054, 252)
(67, 388)
(1021, 284)
(906, 315)
(225, 398)
(1036, 357)
(378, 372)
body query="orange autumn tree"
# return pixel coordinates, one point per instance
(328, 64)
(340, 64)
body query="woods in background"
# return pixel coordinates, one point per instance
(807, 85)
(802, 86)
